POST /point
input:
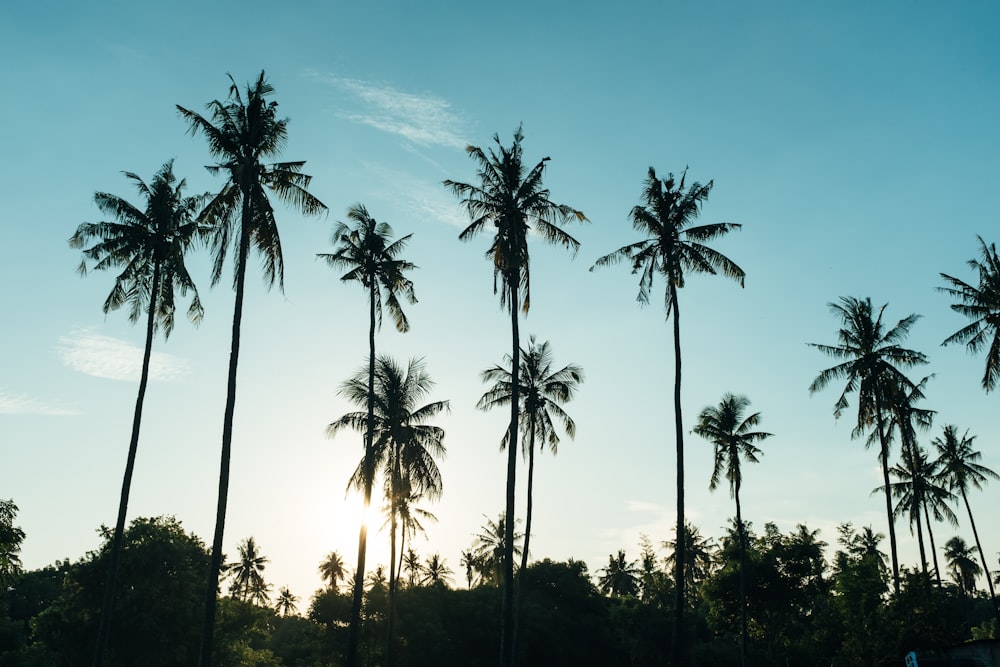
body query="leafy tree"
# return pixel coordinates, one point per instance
(960, 470)
(11, 539)
(243, 133)
(620, 577)
(981, 304)
(542, 392)
(371, 259)
(872, 362)
(726, 428)
(149, 243)
(331, 569)
(963, 566)
(247, 574)
(510, 198)
(675, 247)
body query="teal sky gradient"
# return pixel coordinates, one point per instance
(857, 145)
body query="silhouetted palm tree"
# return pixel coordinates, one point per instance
(542, 392)
(149, 243)
(960, 470)
(286, 603)
(698, 552)
(436, 572)
(964, 568)
(981, 304)
(247, 573)
(674, 247)
(726, 427)
(510, 198)
(371, 258)
(872, 362)
(407, 514)
(331, 569)
(243, 134)
(490, 546)
(471, 565)
(620, 577)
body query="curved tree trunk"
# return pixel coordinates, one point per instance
(107, 606)
(743, 568)
(507, 609)
(986, 569)
(884, 457)
(208, 623)
(679, 644)
(920, 542)
(354, 632)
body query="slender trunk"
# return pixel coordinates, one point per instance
(884, 456)
(679, 644)
(527, 522)
(107, 606)
(354, 632)
(743, 568)
(930, 535)
(986, 569)
(507, 610)
(208, 624)
(393, 572)
(920, 542)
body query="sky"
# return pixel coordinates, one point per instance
(856, 144)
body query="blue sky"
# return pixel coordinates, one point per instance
(857, 146)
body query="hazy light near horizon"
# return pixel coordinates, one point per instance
(115, 359)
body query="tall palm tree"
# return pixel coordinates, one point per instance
(981, 304)
(872, 362)
(247, 572)
(406, 513)
(960, 470)
(149, 243)
(620, 577)
(371, 259)
(726, 428)
(286, 603)
(674, 248)
(331, 569)
(964, 568)
(542, 392)
(510, 198)
(243, 134)
(403, 445)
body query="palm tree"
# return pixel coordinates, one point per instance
(981, 304)
(620, 578)
(149, 242)
(411, 561)
(872, 362)
(403, 445)
(331, 569)
(436, 572)
(407, 514)
(247, 573)
(964, 568)
(286, 604)
(243, 134)
(674, 247)
(726, 427)
(698, 552)
(542, 392)
(511, 199)
(471, 565)
(491, 545)
(960, 470)
(371, 259)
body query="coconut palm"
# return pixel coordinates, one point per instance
(726, 427)
(371, 259)
(674, 248)
(286, 603)
(149, 243)
(964, 568)
(698, 552)
(960, 470)
(243, 133)
(510, 198)
(411, 563)
(542, 392)
(490, 546)
(436, 572)
(247, 573)
(403, 445)
(981, 304)
(620, 577)
(331, 569)
(471, 565)
(872, 366)
(407, 514)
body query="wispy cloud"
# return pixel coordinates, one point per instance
(115, 359)
(425, 120)
(424, 199)
(19, 404)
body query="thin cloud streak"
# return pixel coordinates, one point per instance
(424, 199)
(115, 359)
(19, 404)
(425, 120)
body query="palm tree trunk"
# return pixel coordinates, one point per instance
(743, 568)
(678, 648)
(930, 535)
(208, 623)
(107, 606)
(884, 456)
(393, 572)
(527, 520)
(986, 569)
(354, 632)
(920, 542)
(507, 610)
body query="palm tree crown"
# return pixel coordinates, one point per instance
(725, 426)
(981, 304)
(247, 573)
